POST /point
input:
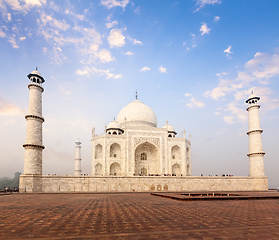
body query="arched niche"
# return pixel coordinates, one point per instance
(147, 157)
(175, 152)
(115, 169)
(98, 169)
(115, 150)
(98, 151)
(176, 170)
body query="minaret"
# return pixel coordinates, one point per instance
(78, 159)
(34, 139)
(256, 161)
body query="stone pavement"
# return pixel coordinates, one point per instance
(134, 216)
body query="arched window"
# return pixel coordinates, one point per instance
(115, 150)
(109, 133)
(98, 151)
(169, 135)
(143, 156)
(114, 133)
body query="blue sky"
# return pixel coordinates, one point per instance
(193, 62)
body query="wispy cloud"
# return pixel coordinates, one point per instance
(129, 53)
(188, 94)
(88, 71)
(9, 109)
(137, 10)
(258, 70)
(195, 103)
(228, 119)
(216, 19)
(202, 3)
(145, 69)
(137, 42)
(114, 3)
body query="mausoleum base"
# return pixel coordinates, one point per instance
(66, 183)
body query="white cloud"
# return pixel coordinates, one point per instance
(53, 22)
(137, 42)
(228, 51)
(202, 3)
(145, 69)
(224, 87)
(217, 113)
(114, 3)
(104, 56)
(22, 38)
(57, 56)
(13, 42)
(194, 103)
(9, 109)
(116, 38)
(24, 5)
(9, 16)
(188, 94)
(129, 53)
(228, 119)
(93, 71)
(111, 24)
(204, 29)
(240, 113)
(264, 65)
(245, 77)
(216, 19)
(44, 50)
(162, 70)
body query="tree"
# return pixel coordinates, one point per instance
(10, 183)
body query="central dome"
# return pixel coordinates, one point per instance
(137, 113)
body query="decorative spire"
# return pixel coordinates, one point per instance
(36, 68)
(167, 122)
(136, 94)
(114, 119)
(252, 92)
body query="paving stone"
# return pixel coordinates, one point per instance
(134, 216)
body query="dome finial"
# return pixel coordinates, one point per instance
(114, 119)
(252, 92)
(136, 94)
(36, 68)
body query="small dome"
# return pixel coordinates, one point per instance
(169, 127)
(137, 112)
(36, 73)
(252, 96)
(114, 125)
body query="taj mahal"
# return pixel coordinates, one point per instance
(134, 155)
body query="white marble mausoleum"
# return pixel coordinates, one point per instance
(134, 154)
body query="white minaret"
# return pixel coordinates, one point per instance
(78, 159)
(34, 139)
(256, 161)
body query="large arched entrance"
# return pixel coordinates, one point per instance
(147, 159)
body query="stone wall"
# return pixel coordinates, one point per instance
(53, 183)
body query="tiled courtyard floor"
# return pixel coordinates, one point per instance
(134, 216)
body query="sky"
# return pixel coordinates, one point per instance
(193, 62)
